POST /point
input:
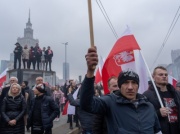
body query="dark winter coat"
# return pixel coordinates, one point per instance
(99, 124)
(32, 54)
(89, 121)
(30, 95)
(38, 52)
(86, 119)
(49, 56)
(152, 97)
(4, 93)
(122, 116)
(13, 108)
(49, 111)
(18, 50)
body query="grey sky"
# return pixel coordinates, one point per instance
(57, 21)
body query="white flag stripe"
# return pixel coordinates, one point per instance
(71, 109)
(3, 73)
(170, 79)
(139, 67)
(101, 63)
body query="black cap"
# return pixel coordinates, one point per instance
(17, 43)
(127, 75)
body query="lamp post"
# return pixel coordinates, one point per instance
(65, 72)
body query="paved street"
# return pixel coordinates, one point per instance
(62, 127)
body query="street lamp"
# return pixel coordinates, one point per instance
(65, 70)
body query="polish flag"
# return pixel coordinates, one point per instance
(3, 77)
(125, 55)
(98, 77)
(172, 81)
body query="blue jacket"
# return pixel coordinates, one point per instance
(49, 111)
(122, 116)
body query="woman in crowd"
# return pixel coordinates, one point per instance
(57, 95)
(12, 111)
(25, 56)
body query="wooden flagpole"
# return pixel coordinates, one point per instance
(91, 23)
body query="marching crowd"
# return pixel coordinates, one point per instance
(33, 56)
(122, 111)
(23, 107)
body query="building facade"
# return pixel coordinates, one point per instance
(174, 67)
(175, 54)
(4, 64)
(28, 35)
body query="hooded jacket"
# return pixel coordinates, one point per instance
(122, 116)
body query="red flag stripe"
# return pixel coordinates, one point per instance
(122, 49)
(65, 108)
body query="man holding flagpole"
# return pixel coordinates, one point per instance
(169, 115)
(125, 110)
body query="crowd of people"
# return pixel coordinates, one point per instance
(122, 111)
(31, 109)
(39, 58)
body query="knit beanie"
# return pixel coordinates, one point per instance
(127, 75)
(41, 88)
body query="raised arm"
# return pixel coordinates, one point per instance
(87, 101)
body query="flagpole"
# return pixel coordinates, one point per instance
(91, 23)
(157, 93)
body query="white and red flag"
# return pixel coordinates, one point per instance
(3, 77)
(124, 55)
(68, 109)
(98, 77)
(172, 81)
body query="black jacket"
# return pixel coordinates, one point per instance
(122, 116)
(48, 56)
(4, 94)
(13, 108)
(18, 50)
(49, 111)
(86, 119)
(152, 97)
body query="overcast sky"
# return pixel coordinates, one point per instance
(57, 21)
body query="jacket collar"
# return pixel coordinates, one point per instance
(170, 88)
